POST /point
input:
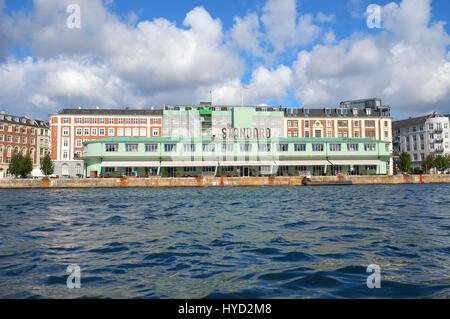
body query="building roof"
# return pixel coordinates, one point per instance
(137, 112)
(333, 112)
(413, 121)
(22, 120)
(409, 122)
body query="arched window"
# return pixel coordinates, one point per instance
(8, 150)
(24, 151)
(78, 169)
(16, 150)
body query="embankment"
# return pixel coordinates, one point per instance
(205, 181)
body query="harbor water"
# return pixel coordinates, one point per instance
(231, 242)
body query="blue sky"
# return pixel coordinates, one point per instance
(321, 54)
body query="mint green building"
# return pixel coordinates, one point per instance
(231, 156)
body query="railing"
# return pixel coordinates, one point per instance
(438, 130)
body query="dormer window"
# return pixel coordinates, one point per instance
(355, 112)
(306, 112)
(368, 112)
(328, 112)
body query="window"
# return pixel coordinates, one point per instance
(136, 131)
(317, 147)
(228, 169)
(79, 131)
(151, 147)
(79, 143)
(78, 154)
(94, 132)
(101, 132)
(1, 137)
(295, 124)
(189, 147)
(65, 143)
(65, 131)
(155, 132)
(329, 133)
(102, 120)
(356, 123)
(307, 123)
(329, 123)
(245, 147)
(155, 121)
(352, 147)
(143, 131)
(170, 147)
(386, 134)
(318, 133)
(300, 147)
(295, 133)
(16, 139)
(120, 121)
(9, 138)
(369, 123)
(111, 147)
(264, 147)
(282, 147)
(386, 147)
(369, 147)
(128, 131)
(142, 121)
(32, 130)
(111, 121)
(120, 131)
(335, 147)
(135, 121)
(94, 121)
(111, 131)
(131, 147)
(86, 121)
(86, 132)
(128, 121)
(289, 134)
(386, 123)
(345, 134)
(65, 120)
(24, 140)
(208, 169)
(306, 133)
(343, 123)
(1, 126)
(227, 147)
(209, 147)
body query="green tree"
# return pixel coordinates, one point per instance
(20, 165)
(428, 163)
(441, 163)
(47, 166)
(404, 162)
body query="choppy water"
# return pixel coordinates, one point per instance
(266, 242)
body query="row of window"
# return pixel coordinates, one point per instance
(17, 139)
(102, 120)
(340, 123)
(244, 147)
(17, 129)
(344, 134)
(9, 150)
(111, 131)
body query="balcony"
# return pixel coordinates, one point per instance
(439, 150)
(439, 140)
(438, 130)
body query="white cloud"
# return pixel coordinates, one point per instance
(322, 17)
(407, 64)
(284, 28)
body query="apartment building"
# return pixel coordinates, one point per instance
(70, 128)
(422, 136)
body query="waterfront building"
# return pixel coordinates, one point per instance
(241, 157)
(18, 134)
(70, 128)
(43, 140)
(206, 120)
(422, 136)
(367, 119)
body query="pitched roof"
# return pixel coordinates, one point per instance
(112, 112)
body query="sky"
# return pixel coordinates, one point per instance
(142, 54)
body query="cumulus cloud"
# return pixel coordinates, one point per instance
(284, 28)
(406, 64)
